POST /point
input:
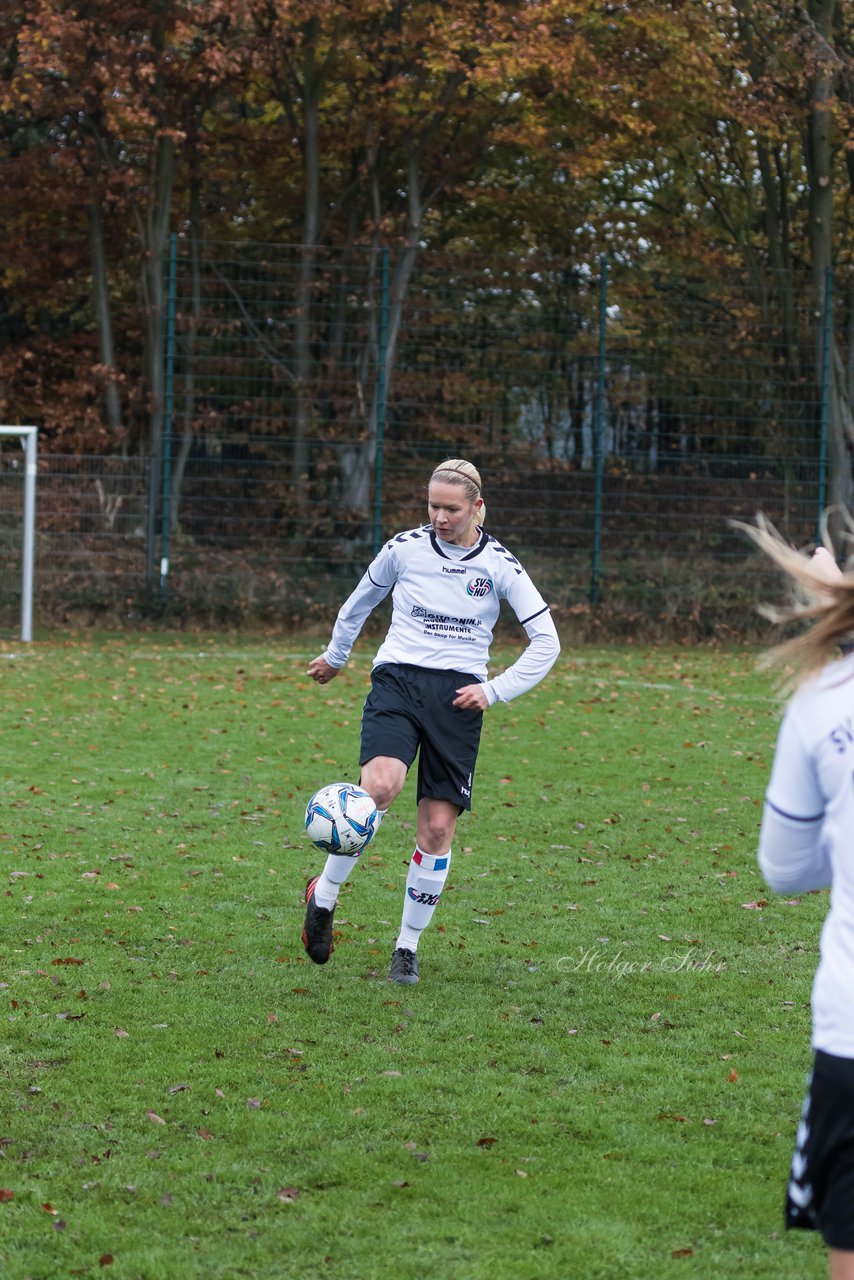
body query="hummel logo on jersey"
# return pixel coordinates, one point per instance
(445, 569)
(479, 587)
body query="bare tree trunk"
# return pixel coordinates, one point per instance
(103, 315)
(357, 458)
(312, 80)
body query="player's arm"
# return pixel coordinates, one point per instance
(320, 670)
(374, 586)
(793, 857)
(532, 665)
(793, 854)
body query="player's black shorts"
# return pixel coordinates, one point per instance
(410, 711)
(820, 1195)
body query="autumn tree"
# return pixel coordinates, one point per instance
(408, 118)
(113, 88)
(678, 139)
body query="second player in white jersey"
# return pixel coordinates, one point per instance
(806, 842)
(807, 834)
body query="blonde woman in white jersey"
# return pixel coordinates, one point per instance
(429, 687)
(807, 842)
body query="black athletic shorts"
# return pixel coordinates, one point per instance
(410, 711)
(820, 1195)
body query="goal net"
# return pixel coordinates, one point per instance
(18, 507)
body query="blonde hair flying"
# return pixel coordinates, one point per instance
(825, 597)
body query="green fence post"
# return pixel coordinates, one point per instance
(826, 340)
(379, 441)
(168, 406)
(598, 427)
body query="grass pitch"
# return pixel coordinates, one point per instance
(599, 1075)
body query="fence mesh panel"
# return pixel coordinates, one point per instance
(618, 422)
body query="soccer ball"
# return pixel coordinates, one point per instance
(341, 818)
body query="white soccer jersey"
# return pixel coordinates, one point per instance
(445, 605)
(807, 837)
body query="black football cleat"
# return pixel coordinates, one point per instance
(404, 966)
(317, 930)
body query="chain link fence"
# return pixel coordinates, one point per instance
(618, 422)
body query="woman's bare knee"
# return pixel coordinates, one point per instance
(437, 821)
(841, 1264)
(383, 778)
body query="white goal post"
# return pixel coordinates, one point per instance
(28, 437)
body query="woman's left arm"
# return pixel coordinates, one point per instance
(793, 857)
(793, 852)
(532, 665)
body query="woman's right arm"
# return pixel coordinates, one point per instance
(352, 617)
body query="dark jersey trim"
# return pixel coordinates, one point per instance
(434, 542)
(524, 621)
(792, 817)
(475, 551)
(478, 547)
(410, 533)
